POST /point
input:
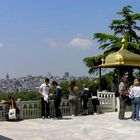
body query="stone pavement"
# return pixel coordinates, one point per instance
(92, 127)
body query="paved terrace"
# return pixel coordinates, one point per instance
(92, 127)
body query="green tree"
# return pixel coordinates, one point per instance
(25, 96)
(65, 90)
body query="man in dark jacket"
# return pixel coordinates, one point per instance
(57, 99)
(84, 97)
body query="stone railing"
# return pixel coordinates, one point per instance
(2, 111)
(32, 109)
(107, 101)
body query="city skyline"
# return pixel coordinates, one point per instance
(37, 37)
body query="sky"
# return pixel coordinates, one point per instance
(41, 36)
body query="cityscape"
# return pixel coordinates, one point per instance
(30, 83)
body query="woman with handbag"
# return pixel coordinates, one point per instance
(12, 111)
(73, 98)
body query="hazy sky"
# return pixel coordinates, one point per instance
(41, 36)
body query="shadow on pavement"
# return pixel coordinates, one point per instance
(14, 121)
(67, 118)
(4, 138)
(61, 119)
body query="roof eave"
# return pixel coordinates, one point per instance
(117, 65)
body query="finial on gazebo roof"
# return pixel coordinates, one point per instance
(103, 61)
(123, 39)
(123, 42)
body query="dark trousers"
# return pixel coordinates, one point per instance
(123, 100)
(58, 113)
(85, 101)
(95, 102)
(45, 110)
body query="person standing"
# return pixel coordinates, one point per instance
(73, 98)
(134, 95)
(115, 89)
(123, 90)
(57, 99)
(44, 90)
(84, 97)
(95, 100)
(11, 103)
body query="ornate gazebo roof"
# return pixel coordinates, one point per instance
(123, 57)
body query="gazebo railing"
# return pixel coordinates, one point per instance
(107, 101)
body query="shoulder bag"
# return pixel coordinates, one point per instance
(12, 112)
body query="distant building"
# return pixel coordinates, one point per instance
(7, 76)
(66, 74)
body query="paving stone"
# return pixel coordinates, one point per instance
(105, 126)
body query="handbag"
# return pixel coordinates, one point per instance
(12, 112)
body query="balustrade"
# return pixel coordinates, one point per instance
(32, 109)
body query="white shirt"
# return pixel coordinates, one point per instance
(135, 92)
(122, 88)
(45, 91)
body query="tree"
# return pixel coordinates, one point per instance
(112, 43)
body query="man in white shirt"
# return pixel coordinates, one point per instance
(44, 90)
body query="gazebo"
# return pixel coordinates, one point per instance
(120, 59)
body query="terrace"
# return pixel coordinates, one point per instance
(105, 126)
(100, 127)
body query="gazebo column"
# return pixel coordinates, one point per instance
(100, 74)
(119, 75)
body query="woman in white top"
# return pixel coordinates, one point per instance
(134, 94)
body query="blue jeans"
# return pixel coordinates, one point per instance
(135, 108)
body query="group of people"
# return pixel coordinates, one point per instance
(45, 91)
(75, 97)
(83, 96)
(129, 93)
(79, 99)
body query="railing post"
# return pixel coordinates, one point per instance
(107, 101)
(114, 103)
